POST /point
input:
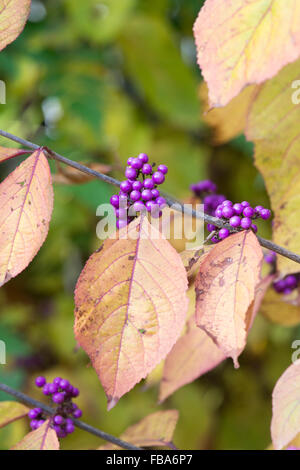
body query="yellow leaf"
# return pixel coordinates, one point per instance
(156, 430)
(278, 309)
(273, 126)
(43, 438)
(26, 199)
(245, 42)
(131, 306)
(225, 289)
(229, 121)
(11, 411)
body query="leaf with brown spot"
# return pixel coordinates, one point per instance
(225, 288)
(130, 313)
(156, 430)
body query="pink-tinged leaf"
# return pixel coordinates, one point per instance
(193, 355)
(43, 438)
(286, 407)
(260, 292)
(131, 306)
(225, 289)
(26, 200)
(13, 16)
(245, 42)
(11, 411)
(6, 153)
(156, 430)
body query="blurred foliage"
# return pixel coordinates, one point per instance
(101, 81)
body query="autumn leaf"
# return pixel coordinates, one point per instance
(7, 153)
(43, 438)
(11, 411)
(286, 407)
(13, 16)
(229, 121)
(245, 42)
(192, 257)
(26, 198)
(273, 126)
(156, 430)
(225, 288)
(131, 306)
(193, 355)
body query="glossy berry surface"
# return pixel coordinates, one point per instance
(138, 193)
(61, 393)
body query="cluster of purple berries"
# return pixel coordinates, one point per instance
(288, 283)
(206, 190)
(239, 216)
(139, 193)
(62, 393)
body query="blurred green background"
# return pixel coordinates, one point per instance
(99, 81)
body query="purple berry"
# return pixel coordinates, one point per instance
(53, 388)
(40, 381)
(114, 200)
(58, 397)
(245, 204)
(235, 221)
(146, 195)
(143, 157)
(136, 163)
(155, 193)
(34, 424)
(148, 183)
(158, 177)
(238, 208)
(46, 390)
(258, 209)
(279, 286)
(40, 423)
(130, 173)
(265, 214)
(270, 257)
(58, 419)
(135, 195)
(34, 413)
(121, 213)
(70, 428)
(126, 186)
(248, 212)
(254, 228)
(77, 413)
(291, 281)
(211, 227)
(57, 380)
(137, 185)
(121, 223)
(147, 169)
(64, 384)
(218, 213)
(123, 201)
(163, 169)
(139, 206)
(75, 392)
(287, 290)
(227, 212)
(61, 433)
(227, 203)
(246, 222)
(214, 239)
(161, 201)
(129, 161)
(224, 233)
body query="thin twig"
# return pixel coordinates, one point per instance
(80, 424)
(176, 205)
